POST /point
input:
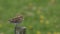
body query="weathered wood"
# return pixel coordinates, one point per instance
(20, 30)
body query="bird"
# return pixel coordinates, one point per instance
(17, 19)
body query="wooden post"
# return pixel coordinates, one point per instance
(20, 30)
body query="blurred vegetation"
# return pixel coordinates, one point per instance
(40, 16)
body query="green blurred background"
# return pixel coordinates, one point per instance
(42, 16)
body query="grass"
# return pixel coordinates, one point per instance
(41, 15)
